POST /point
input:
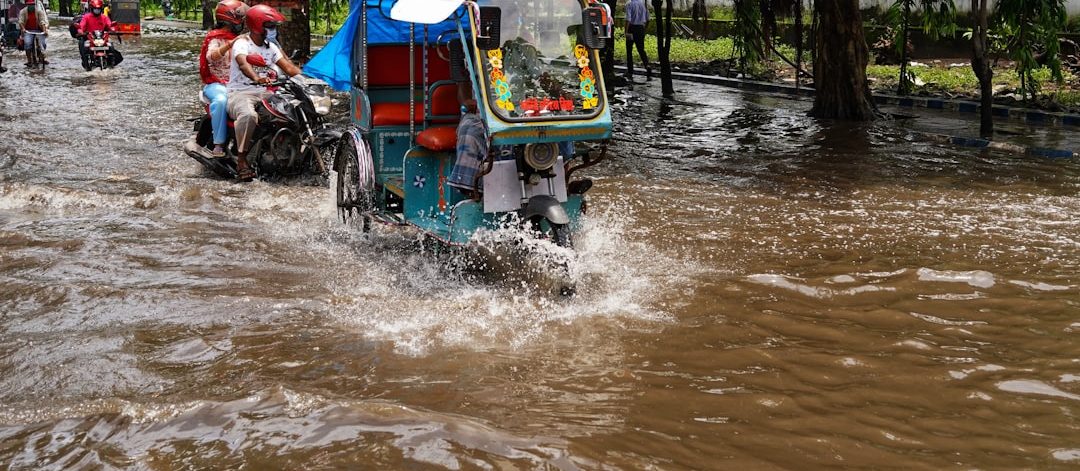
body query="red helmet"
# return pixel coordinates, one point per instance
(97, 4)
(260, 17)
(29, 2)
(230, 11)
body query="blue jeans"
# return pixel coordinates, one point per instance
(219, 113)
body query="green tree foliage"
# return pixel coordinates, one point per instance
(1033, 26)
(938, 19)
(327, 15)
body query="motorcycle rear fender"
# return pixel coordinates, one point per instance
(547, 207)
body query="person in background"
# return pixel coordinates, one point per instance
(637, 16)
(256, 62)
(33, 19)
(96, 20)
(214, 67)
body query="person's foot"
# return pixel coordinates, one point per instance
(218, 151)
(648, 74)
(3, 69)
(244, 172)
(579, 187)
(87, 67)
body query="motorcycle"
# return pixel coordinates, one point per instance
(98, 47)
(292, 136)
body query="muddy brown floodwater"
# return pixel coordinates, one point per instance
(757, 290)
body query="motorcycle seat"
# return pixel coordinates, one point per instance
(206, 107)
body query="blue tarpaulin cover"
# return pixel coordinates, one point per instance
(333, 63)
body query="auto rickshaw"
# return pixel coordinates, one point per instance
(533, 69)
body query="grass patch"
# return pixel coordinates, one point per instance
(682, 50)
(962, 80)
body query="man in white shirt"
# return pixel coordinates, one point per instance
(256, 62)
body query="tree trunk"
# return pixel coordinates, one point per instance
(980, 63)
(798, 41)
(663, 44)
(904, 87)
(295, 34)
(840, 60)
(666, 83)
(208, 7)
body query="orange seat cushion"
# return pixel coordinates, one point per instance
(395, 114)
(438, 139)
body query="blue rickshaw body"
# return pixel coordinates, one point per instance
(410, 177)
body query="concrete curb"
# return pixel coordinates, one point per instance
(963, 106)
(1035, 116)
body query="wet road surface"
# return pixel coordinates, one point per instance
(758, 290)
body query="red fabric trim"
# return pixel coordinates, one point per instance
(204, 66)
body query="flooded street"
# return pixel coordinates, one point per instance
(757, 290)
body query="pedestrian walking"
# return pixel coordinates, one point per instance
(637, 16)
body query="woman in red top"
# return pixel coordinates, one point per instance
(214, 66)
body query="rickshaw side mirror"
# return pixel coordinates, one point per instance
(487, 37)
(596, 28)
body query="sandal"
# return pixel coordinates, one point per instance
(218, 152)
(245, 174)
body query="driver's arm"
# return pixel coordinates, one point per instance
(287, 66)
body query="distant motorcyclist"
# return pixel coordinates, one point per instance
(33, 19)
(96, 20)
(256, 62)
(214, 66)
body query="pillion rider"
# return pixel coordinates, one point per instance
(256, 61)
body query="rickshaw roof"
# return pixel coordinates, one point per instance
(381, 29)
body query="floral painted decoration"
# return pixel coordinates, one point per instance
(498, 80)
(589, 99)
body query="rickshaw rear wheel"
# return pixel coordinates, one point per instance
(351, 200)
(560, 234)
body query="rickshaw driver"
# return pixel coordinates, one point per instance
(472, 143)
(246, 84)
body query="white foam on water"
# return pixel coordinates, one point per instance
(941, 321)
(394, 285)
(1030, 386)
(976, 278)
(1066, 454)
(785, 282)
(1041, 286)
